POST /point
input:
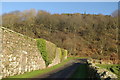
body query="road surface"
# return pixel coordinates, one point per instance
(63, 72)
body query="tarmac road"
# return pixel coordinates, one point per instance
(64, 72)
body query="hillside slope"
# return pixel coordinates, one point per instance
(81, 34)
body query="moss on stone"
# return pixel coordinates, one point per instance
(41, 44)
(51, 50)
(60, 53)
(63, 54)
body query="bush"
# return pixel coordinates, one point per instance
(41, 44)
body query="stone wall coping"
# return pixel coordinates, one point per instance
(15, 32)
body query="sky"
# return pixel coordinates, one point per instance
(60, 0)
(105, 8)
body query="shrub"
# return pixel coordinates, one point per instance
(41, 44)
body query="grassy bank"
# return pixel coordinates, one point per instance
(43, 71)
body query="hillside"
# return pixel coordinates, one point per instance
(81, 34)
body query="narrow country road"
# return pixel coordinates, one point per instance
(63, 72)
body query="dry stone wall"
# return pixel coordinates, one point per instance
(57, 57)
(20, 54)
(100, 73)
(64, 54)
(55, 54)
(51, 50)
(0, 51)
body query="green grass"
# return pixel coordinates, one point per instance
(114, 68)
(43, 71)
